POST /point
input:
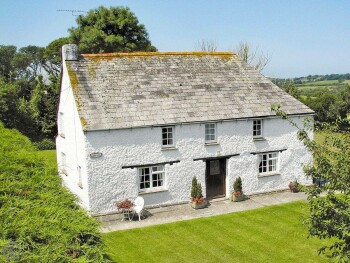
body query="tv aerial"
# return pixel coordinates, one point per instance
(74, 12)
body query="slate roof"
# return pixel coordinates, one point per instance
(123, 90)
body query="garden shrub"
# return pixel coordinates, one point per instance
(237, 185)
(45, 144)
(37, 215)
(196, 189)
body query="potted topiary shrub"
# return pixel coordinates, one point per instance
(294, 186)
(237, 195)
(197, 199)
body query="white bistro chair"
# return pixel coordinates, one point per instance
(138, 206)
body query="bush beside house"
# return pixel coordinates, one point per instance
(40, 220)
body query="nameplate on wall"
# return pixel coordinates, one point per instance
(95, 155)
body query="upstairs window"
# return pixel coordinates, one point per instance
(151, 177)
(268, 163)
(210, 132)
(61, 124)
(257, 128)
(168, 136)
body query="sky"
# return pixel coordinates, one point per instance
(302, 37)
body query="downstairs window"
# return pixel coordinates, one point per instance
(151, 178)
(268, 163)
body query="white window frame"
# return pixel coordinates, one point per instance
(271, 165)
(61, 124)
(210, 127)
(168, 140)
(159, 172)
(257, 133)
(64, 163)
(80, 181)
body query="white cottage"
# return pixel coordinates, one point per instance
(135, 124)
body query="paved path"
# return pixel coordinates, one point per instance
(185, 212)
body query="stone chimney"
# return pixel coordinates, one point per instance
(70, 52)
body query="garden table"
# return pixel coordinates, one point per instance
(128, 213)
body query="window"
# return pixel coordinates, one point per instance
(61, 124)
(151, 177)
(210, 132)
(63, 163)
(257, 128)
(80, 181)
(268, 163)
(168, 136)
(214, 167)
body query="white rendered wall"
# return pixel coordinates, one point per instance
(72, 144)
(109, 183)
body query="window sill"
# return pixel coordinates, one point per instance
(259, 139)
(211, 143)
(268, 174)
(168, 148)
(153, 191)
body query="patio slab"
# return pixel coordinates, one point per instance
(176, 213)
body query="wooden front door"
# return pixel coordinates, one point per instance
(215, 178)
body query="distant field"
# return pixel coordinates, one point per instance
(325, 86)
(321, 83)
(312, 91)
(269, 234)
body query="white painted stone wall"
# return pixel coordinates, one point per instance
(72, 144)
(109, 183)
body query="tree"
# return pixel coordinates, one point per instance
(110, 30)
(325, 107)
(7, 54)
(344, 107)
(251, 55)
(25, 63)
(330, 203)
(14, 110)
(207, 45)
(43, 105)
(246, 52)
(34, 58)
(52, 56)
(290, 88)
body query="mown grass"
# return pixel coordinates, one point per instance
(270, 234)
(49, 156)
(320, 136)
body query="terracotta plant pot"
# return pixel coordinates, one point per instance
(293, 186)
(197, 205)
(238, 197)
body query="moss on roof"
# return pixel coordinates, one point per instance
(123, 90)
(143, 55)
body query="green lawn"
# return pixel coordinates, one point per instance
(49, 156)
(320, 136)
(269, 234)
